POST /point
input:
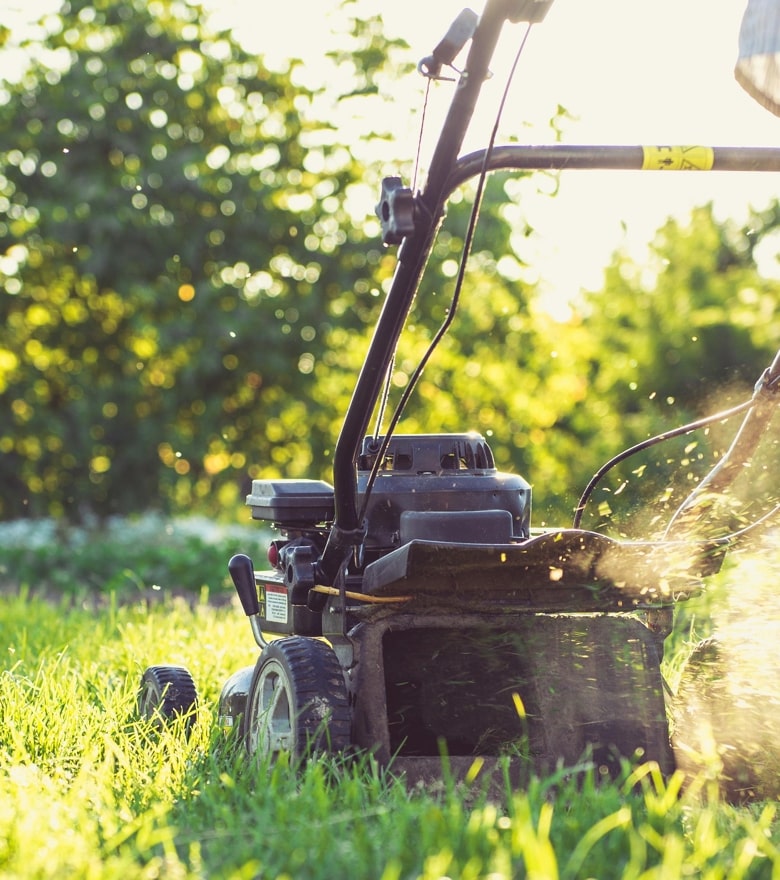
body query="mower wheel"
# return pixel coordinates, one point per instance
(298, 701)
(167, 693)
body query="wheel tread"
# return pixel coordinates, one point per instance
(167, 692)
(323, 718)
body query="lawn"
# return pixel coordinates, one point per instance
(89, 790)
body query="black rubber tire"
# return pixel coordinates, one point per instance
(298, 701)
(167, 693)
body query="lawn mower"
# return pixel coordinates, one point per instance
(410, 609)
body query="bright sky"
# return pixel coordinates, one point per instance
(631, 72)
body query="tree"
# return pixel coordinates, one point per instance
(188, 287)
(176, 247)
(685, 335)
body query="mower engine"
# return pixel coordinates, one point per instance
(435, 487)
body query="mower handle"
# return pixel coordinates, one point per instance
(347, 531)
(426, 210)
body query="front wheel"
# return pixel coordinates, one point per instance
(298, 701)
(167, 693)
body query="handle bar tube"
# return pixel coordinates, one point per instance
(560, 157)
(346, 531)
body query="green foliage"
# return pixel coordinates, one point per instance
(190, 272)
(686, 335)
(697, 318)
(176, 245)
(149, 557)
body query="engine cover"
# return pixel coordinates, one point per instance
(442, 487)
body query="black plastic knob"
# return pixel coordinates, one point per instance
(242, 573)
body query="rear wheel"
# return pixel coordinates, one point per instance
(298, 701)
(167, 693)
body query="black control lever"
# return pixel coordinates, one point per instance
(242, 573)
(459, 33)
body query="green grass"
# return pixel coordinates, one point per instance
(89, 790)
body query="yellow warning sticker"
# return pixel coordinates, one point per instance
(677, 158)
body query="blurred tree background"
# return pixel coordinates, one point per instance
(189, 276)
(176, 248)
